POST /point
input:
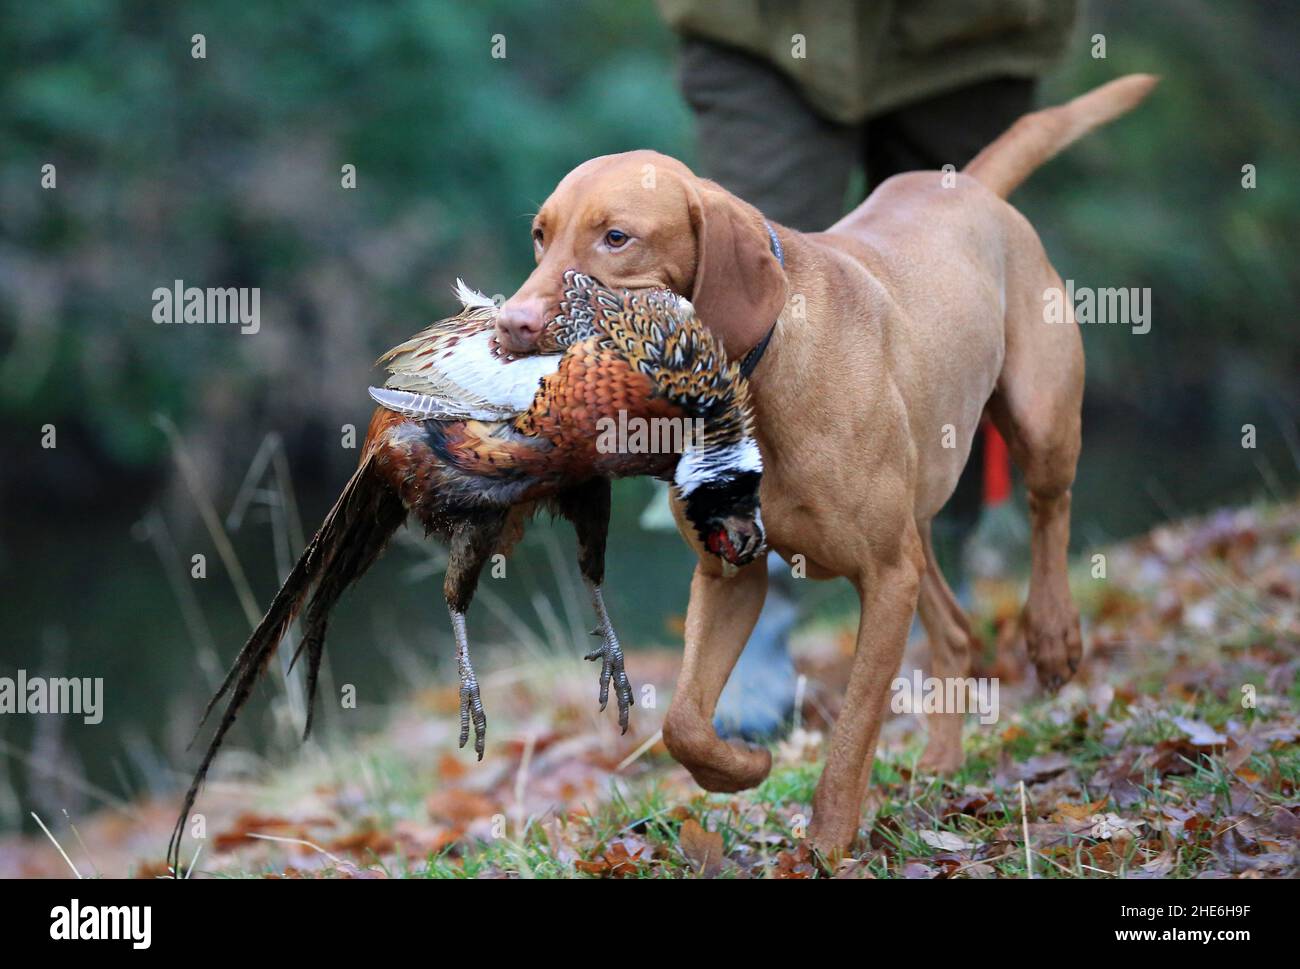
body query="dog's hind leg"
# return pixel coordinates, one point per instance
(949, 635)
(1037, 408)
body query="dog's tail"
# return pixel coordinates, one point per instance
(1039, 136)
(353, 534)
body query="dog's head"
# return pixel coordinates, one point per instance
(642, 220)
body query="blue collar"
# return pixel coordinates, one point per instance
(750, 360)
(776, 243)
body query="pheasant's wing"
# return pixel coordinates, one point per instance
(488, 449)
(453, 369)
(488, 462)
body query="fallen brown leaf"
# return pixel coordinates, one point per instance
(797, 863)
(703, 849)
(459, 806)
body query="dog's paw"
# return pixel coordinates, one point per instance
(746, 768)
(716, 764)
(832, 835)
(941, 756)
(1054, 642)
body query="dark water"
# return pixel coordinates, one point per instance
(93, 599)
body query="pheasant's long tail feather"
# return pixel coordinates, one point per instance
(367, 535)
(350, 539)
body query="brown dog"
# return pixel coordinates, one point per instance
(895, 330)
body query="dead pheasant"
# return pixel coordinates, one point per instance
(473, 442)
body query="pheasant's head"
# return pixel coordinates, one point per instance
(719, 486)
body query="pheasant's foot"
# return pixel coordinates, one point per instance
(471, 708)
(471, 704)
(610, 654)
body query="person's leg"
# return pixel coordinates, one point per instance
(759, 139)
(948, 129)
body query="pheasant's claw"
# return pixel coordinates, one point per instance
(611, 656)
(471, 708)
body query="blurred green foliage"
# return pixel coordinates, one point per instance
(225, 171)
(1157, 200)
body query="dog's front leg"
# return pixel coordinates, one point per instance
(888, 594)
(719, 619)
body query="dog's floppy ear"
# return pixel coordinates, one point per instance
(740, 287)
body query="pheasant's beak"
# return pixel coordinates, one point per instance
(737, 540)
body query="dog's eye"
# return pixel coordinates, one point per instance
(616, 238)
(537, 238)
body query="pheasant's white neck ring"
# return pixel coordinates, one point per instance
(702, 465)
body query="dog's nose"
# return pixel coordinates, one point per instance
(520, 323)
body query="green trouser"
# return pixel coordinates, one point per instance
(759, 139)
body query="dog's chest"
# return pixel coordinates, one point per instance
(796, 531)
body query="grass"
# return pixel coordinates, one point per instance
(1175, 752)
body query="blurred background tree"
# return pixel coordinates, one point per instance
(226, 171)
